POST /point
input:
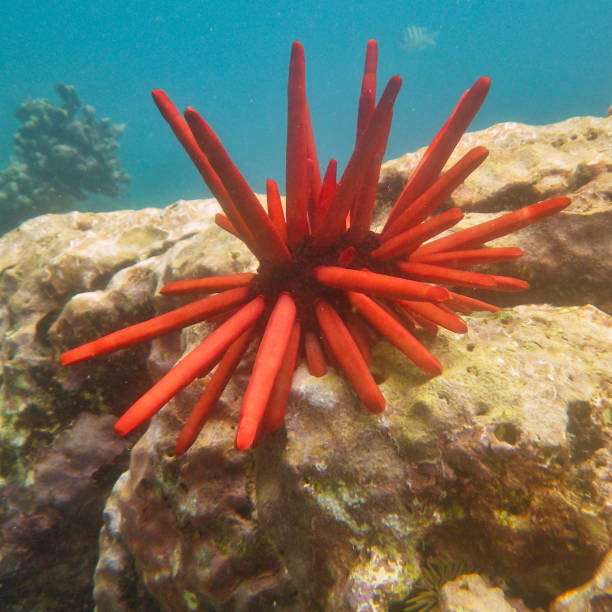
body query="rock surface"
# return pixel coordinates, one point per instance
(471, 593)
(42, 265)
(570, 255)
(594, 596)
(340, 509)
(504, 462)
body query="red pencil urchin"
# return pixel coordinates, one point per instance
(324, 278)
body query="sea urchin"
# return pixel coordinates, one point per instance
(325, 281)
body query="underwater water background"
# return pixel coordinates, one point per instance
(547, 60)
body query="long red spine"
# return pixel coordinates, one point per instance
(361, 211)
(442, 146)
(153, 328)
(265, 370)
(409, 240)
(275, 208)
(313, 351)
(202, 357)
(469, 257)
(184, 135)
(448, 276)
(277, 403)
(436, 314)
(346, 352)
(395, 332)
(213, 390)
(427, 203)
(268, 242)
(297, 149)
(344, 196)
(500, 226)
(328, 188)
(378, 284)
(367, 99)
(209, 284)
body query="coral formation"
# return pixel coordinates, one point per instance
(518, 373)
(325, 280)
(62, 153)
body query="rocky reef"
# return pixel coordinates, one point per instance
(500, 467)
(61, 153)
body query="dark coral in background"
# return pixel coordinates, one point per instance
(327, 285)
(62, 154)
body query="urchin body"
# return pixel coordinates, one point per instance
(326, 285)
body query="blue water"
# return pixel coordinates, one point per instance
(547, 60)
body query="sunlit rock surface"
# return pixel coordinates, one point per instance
(526, 164)
(569, 254)
(471, 593)
(503, 460)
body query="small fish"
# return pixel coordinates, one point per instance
(416, 38)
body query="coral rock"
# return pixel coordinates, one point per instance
(60, 157)
(471, 593)
(594, 596)
(526, 164)
(459, 452)
(503, 463)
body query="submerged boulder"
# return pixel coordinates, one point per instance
(502, 462)
(567, 259)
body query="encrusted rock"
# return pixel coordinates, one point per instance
(53, 488)
(472, 593)
(594, 596)
(503, 463)
(50, 522)
(504, 459)
(568, 259)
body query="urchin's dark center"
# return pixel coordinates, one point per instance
(296, 277)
